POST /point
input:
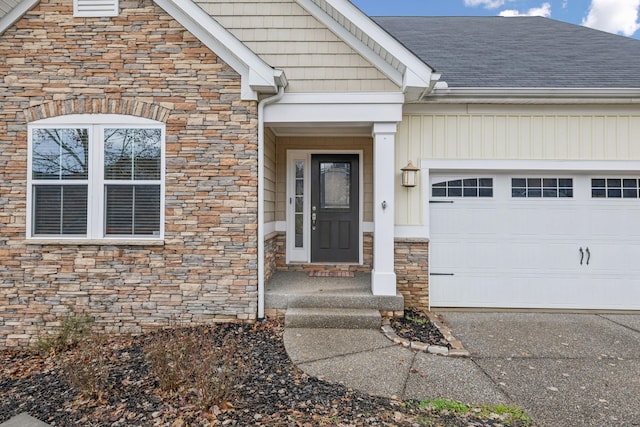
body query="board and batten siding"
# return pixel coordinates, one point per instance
(287, 37)
(525, 133)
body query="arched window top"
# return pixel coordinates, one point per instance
(463, 187)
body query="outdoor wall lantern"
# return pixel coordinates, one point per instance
(409, 175)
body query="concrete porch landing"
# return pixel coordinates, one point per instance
(328, 302)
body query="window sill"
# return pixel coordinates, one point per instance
(96, 242)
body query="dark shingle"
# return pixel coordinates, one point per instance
(518, 52)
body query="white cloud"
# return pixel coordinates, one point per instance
(614, 16)
(487, 4)
(544, 10)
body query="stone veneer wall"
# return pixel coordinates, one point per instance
(270, 255)
(140, 63)
(411, 265)
(281, 258)
(412, 271)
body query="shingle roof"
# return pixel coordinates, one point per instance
(518, 52)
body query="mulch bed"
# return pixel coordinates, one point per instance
(416, 326)
(273, 392)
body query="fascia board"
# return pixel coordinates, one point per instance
(535, 95)
(256, 74)
(421, 71)
(359, 108)
(16, 13)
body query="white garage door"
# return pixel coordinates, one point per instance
(531, 241)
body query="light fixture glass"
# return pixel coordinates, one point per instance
(409, 175)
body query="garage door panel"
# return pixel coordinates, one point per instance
(509, 252)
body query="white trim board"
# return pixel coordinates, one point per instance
(531, 165)
(309, 108)
(16, 13)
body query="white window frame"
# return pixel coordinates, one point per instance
(96, 214)
(95, 8)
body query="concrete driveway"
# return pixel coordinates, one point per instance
(564, 369)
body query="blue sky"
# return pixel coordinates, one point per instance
(614, 16)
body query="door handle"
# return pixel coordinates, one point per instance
(313, 220)
(588, 255)
(581, 255)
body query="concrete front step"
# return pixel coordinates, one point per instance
(318, 300)
(332, 318)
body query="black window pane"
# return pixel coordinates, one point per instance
(439, 192)
(74, 209)
(550, 192)
(549, 182)
(518, 192)
(456, 183)
(598, 193)
(534, 192)
(615, 193)
(565, 192)
(60, 154)
(455, 192)
(565, 182)
(133, 210)
(147, 210)
(598, 183)
(630, 183)
(534, 182)
(470, 182)
(132, 154)
(440, 184)
(46, 209)
(119, 210)
(470, 192)
(615, 183)
(60, 210)
(485, 192)
(630, 193)
(518, 182)
(486, 182)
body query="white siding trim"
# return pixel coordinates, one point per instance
(335, 108)
(411, 231)
(16, 13)
(417, 73)
(530, 165)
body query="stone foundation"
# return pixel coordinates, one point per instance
(412, 271)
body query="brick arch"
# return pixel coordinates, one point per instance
(84, 105)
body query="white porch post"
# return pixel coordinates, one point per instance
(383, 276)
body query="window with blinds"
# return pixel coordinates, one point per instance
(96, 181)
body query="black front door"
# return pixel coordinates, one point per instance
(335, 208)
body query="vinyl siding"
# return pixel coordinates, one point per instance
(284, 35)
(519, 133)
(269, 176)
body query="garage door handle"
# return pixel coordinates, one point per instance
(581, 255)
(588, 256)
